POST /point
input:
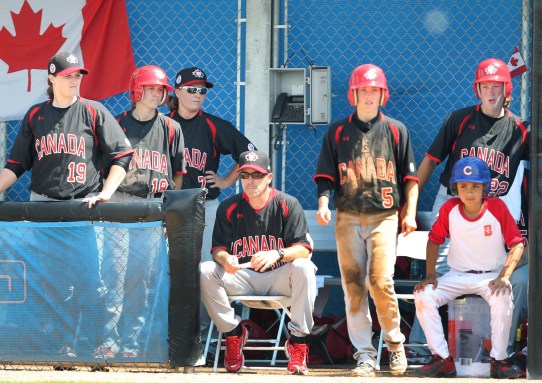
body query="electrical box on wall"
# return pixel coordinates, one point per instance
(320, 95)
(288, 95)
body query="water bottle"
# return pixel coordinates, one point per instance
(415, 269)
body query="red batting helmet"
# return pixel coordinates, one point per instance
(148, 75)
(493, 70)
(368, 75)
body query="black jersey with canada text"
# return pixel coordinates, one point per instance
(243, 231)
(368, 168)
(65, 147)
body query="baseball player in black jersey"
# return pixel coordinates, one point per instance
(158, 162)
(367, 159)
(206, 137)
(492, 133)
(64, 140)
(261, 246)
(157, 165)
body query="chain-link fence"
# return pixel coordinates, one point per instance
(173, 35)
(428, 49)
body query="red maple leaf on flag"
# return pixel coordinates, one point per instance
(29, 49)
(514, 61)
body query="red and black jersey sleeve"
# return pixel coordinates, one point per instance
(110, 137)
(22, 152)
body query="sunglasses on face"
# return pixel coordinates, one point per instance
(255, 175)
(195, 89)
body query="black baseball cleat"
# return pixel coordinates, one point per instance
(502, 369)
(438, 368)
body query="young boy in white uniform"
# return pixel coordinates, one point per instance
(479, 228)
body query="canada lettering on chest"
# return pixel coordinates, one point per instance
(495, 159)
(67, 143)
(367, 168)
(249, 245)
(147, 159)
(195, 158)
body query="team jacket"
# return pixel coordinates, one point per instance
(368, 168)
(65, 147)
(158, 154)
(206, 137)
(467, 132)
(243, 231)
(479, 243)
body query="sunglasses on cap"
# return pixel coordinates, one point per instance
(255, 175)
(195, 89)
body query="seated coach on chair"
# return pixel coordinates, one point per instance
(261, 246)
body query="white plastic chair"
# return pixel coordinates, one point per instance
(412, 246)
(278, 303)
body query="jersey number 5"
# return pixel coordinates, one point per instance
(387, 197)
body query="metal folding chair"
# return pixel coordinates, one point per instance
(278, 303)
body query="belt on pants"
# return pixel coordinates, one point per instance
(478, 271)
(78, 196)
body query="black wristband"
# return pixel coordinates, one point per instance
(281, 254)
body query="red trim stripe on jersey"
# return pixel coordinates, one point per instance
(92, 112)
(213, 132)
(327, 176)
(437, 160)
(285, 210)
(339, 130)
(31, 116)
(523, 130)
(462, 125)
(171, 130)
(395, 133)
(338, 134)
(230, 211)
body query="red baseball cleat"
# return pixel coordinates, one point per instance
(438, 368)
(234, 358)
(297, 355)
(502, 369)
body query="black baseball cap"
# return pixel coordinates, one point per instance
(192, 75)
(64, 63)
(255, 159)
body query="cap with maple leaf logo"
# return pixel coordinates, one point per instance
(64, 63)
(255, 159)
(192, 75)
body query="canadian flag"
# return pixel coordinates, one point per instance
(32, 31)
(516, 64)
